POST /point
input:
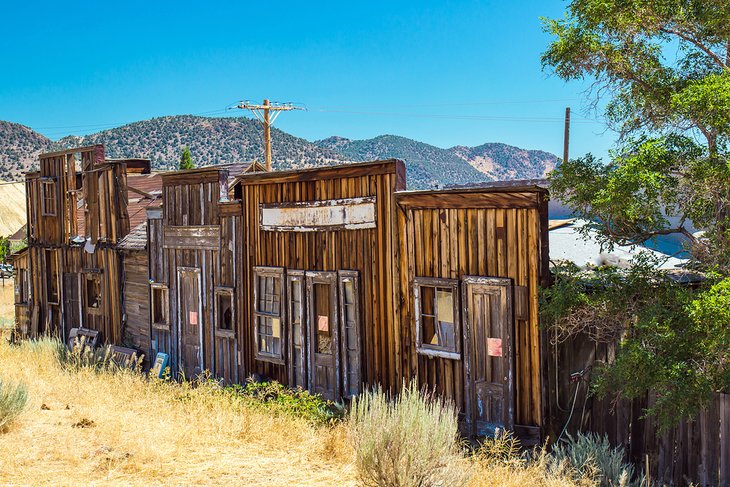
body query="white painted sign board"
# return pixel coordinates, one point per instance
(313, 216)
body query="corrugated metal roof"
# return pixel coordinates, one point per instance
(566, 243)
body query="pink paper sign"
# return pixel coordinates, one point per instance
(323, 323)
(494, 347)
(193, 317)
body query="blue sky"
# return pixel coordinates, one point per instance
(446, 73)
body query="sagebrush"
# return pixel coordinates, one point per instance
(13, 399)
(407, 440)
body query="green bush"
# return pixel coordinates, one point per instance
(13, 400)
(592, 456)
(279, 398)
(409, 440)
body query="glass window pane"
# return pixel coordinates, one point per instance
(323, 315)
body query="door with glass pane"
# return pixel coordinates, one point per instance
(324, 334)
(488, 348)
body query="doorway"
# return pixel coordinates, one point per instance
(488, 354)
(190, 327)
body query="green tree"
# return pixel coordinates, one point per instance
(186, 160)
(662, 67)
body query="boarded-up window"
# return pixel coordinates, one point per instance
(48, 197)
(52, 276)
(437, 317)
(160, 306)
(224, 309)
(93, 292)
(268, 314)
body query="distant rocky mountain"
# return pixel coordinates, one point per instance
(19, 149)
(211, 141)
(225, 140)
(430, 166)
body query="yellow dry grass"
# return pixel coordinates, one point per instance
(7, 303)
(88, 428)
(145, 433)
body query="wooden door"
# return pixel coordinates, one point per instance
(190, 327)
(297, 326)
(324, 357)
(488, 354)
(71, 302)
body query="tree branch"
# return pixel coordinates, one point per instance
(696, 43)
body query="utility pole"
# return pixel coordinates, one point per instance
(566, 136)
(263, 114)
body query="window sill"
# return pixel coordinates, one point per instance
(221, 333)
(433, 353)
(270, 358)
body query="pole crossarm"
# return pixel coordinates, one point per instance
(263, 114)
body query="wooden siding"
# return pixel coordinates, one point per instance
(191, 231)
(453, 234)
(372, 252)
(89, 196)
(137, 301)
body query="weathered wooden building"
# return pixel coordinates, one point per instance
(471, 264)
(330, 279)
(335, 278)
(192, 251)
(80, 205)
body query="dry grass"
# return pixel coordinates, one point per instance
(84, 427)
(7, 303)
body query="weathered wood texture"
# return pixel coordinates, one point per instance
(372, 252)
(195, 230)
(77, 194)
(136, 301)
(695, 451)
(453, 234)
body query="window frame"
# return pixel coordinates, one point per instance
(92, 276)
(224, 291)
(426, 348)
(277, 273)
(45, 183)
(343, 277)
(292, 276)
(49, 281)
(22, 288)
(165, 290)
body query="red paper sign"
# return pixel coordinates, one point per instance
(193, 317)
(494, 347)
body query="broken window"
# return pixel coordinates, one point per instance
(22, 287)
(437, 317)
(93, 292)
(224, 309)
(52, 277)
(268, 313)
(159, 305)
(48, 197)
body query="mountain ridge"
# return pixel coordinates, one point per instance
(220, 140)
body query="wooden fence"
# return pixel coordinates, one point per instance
(696, 451)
